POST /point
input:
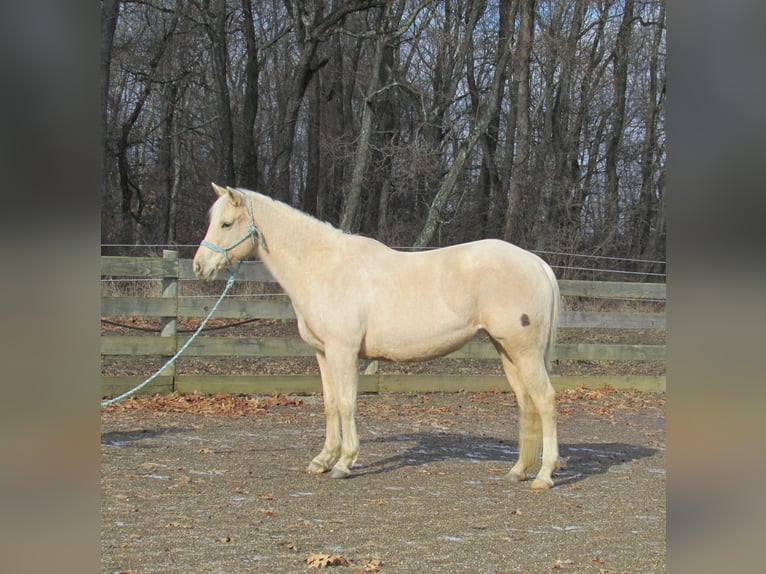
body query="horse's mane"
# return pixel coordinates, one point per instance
(293, 213)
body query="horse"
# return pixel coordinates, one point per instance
(354, 297)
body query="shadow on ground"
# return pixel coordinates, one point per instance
(582, 460)
(124, 438)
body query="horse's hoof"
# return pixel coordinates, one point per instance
(315, 468)
(338, 473)
(513, 477)
(540, 484)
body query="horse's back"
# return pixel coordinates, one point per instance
(425, 304)
(492, 264)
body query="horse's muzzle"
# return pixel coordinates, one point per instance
(206, 272)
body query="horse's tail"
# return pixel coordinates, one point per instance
(554, 316)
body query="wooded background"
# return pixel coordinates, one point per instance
(419, 123)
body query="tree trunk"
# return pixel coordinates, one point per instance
(309, 33)
(280, 182)
(349, 221)
(565, 137)
(128, 188)
(174, 188)
(647, 202)
(129, 216)
(515, 224)
(385, 136)
(167, 160)
(249, 175)
(216, 30)
(489, 183)
(314, 147)
(109, 13)
(482, 121)
(335, 122)
(575, 206)
(620, 75)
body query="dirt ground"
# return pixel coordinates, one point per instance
(200, 484)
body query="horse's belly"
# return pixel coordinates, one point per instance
(419, 345)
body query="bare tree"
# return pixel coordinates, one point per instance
(620, 78)
(648, 214)
(481, 123)
(133, 202)
(490, 203)
(249, 175)
(422, 122)
(521, 195)
(215, 14)
(109, 12)
(309, 33)
(388, 31)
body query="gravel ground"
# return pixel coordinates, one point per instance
(220, 487)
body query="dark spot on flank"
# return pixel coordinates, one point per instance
(524, 320)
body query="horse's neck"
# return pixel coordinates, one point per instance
(291, 240)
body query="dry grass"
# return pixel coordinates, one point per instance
(596, 305)
(118, 287)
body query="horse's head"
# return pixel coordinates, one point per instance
(231, 235)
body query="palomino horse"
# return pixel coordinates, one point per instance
(354, 297)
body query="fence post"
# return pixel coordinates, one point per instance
(169, 325)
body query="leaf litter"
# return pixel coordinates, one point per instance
(221, 404)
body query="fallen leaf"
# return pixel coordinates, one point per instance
(324, 560)
(560, 564)
(372, 565)
(196, 402)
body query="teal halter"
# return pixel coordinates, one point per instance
(252, 233)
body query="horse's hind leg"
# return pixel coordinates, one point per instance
(330, 453)
(530, 429)
(544, 397)
(537, 422)
(530, 438)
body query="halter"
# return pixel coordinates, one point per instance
(252, 233)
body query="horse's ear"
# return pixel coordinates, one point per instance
(219, 191)
(235, 196)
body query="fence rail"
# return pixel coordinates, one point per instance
(170, 306)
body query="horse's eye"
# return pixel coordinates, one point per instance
(226, 225)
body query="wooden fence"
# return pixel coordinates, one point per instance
(170, 306)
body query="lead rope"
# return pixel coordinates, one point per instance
(172, 360)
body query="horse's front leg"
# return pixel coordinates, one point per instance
(342, 364)
(330, 453)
